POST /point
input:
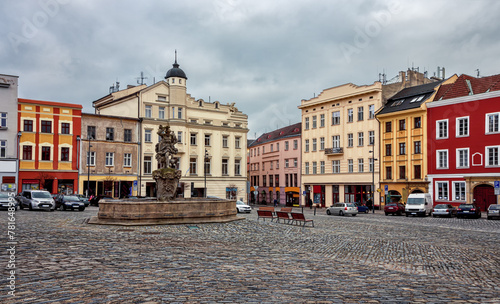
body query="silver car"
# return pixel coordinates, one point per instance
(444, 210)
(342, 209)
(36, 199)
(242, 207)
(493, 211)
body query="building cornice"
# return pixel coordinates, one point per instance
(463, 99)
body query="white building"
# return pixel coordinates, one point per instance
(8, 133)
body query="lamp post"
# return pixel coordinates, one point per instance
(373, 179)
(205, 171)
(88, 168)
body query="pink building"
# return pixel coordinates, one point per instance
(464, 142)
(275, 167)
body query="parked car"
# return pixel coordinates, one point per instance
(418, 204)
(69, 202)
(7, 201)
(444, 210)
(468, 210)
(342, 209)
(94, 200)
(362, 208)
(394, 208)
(37, 199)
(83, 199)
(242, 207)
(493, 211)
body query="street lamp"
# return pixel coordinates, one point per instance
(373, 179)
(88, 167)
(205, 171)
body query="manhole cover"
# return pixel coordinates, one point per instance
(193, 227)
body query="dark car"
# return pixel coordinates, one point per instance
(69, 202)
(83, 199)
(7, 201)
(468, 210)
(94, 200)
(493, 211)
(362, 208)
(394, 208)
(444, 210)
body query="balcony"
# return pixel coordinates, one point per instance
(334, 151)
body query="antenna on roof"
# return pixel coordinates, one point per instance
(477, 70)
(175, 56)
(141, 78)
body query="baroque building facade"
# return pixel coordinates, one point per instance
(211, 136)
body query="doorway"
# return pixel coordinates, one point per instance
(484, 196)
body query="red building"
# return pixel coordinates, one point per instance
(464, 141)
(49, 145)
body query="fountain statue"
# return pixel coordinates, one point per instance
(167, 177)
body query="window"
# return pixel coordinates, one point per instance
(371, 111)
(335, 166)
(350, 165)
(264, 180)
(463, 158)
(322, 167)
(350, 115)
(179, 136)
(286, 163)
(388, 172)
(442, 129)
(295, 144)
(306, 127)
(459, 191)
(315, 169)
(207, 139)
(161, 112)
(322, 143)
(402, 172)
(28, 125)
(225, 163)
(271, 181)
(361, 165)
(192, 139)
(286, 145)
(417, 122)
(295, 163)
(27, 152)
(148, 165)
(192, 166)
(322, 120)
(173, 113)
(417, 171)
(110, 134)
(462, 126)
(336, 141)
(127, 135)
(45, 153)
(64, 154)
(360, 139)
(91, 158)
(442, 159)
(3, 148)
(492, 156)
(370, 164)
(272, 147)
(314, 144)
(3, 120)
(147, 135)
(360, 113)
(336, 118)
(127, 159)
(237, 167)
(162, 98)
(350, 140)
(208, 165)
(306, 145)
(371, 137)
(110, 158)
(306, 167)
(277, 146)
(417, 147)
(65, 128)
(46, 126)
(402, 124)
(388, 150)
(314, 122)
(237, 141)
(148, 111)
(442, 190)
(492, 123)
(91, 132)
(388, 126)
(179, 113)
(402, 148)
(271, 165)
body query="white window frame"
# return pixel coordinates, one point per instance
(487, 157)
(321, 143)
(322, 167)
(90, 158)
(147, 135)
(336, 141)
(335, 166)
(306, 145)
(350, 140)
(457, 126)
(306, 168)
(438, 154)
(161, 112)
(361, 165)
(461, 198)
(458, 158)
(110, 159)
(335, 118)
(225, 141)
(321, 120)
(306, 123)
(148, 111)
(487, 125)
(3, 148)
(361, 139)
(350, 165)
(443, 198)
(438, 122)
(127, 159)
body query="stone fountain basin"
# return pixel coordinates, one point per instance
(153, 212)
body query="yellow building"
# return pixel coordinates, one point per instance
(403, 142)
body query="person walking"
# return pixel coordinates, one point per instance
(275, 203)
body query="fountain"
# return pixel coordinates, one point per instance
(166, 209)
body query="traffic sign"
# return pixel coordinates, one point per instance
(386, 188)
(497, 184)
(497, 187)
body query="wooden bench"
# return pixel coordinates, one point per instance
(267, 209)
(265, 214)
(286, 209)
(300, 219)
(285, 216)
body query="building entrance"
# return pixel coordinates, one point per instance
(484, 196)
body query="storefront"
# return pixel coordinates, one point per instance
(52, 181)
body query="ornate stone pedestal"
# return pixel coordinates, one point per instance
(167, 180)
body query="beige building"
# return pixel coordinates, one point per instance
(211, 136)
(111, 166)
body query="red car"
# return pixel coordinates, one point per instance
(394, 208)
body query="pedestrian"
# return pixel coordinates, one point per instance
(275, 203)
(369, 204)
(310, 202)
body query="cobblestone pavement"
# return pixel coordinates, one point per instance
(370, 258)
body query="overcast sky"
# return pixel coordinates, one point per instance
(263, 55)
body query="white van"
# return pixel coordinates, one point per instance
(419, 204)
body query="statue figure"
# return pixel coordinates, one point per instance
(167, 177)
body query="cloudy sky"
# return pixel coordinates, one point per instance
(263, 55)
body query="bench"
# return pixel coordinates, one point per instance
(300, 219)
(283, 216)
(267, 209)
(265, 214)
(286, 209)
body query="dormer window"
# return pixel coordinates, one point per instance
(216, 105)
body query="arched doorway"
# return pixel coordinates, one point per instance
(417, 191)
(393, 197)
(484, 196)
